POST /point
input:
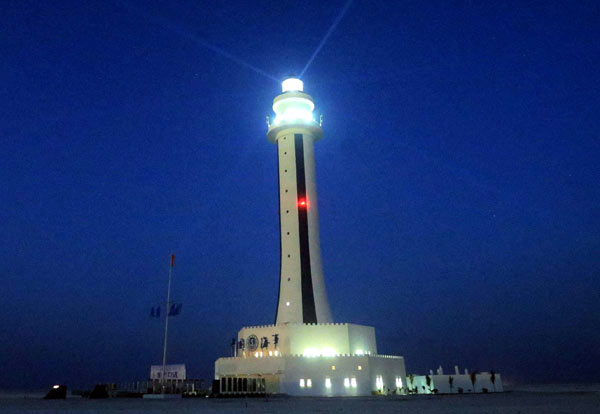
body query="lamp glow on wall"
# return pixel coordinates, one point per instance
(314, 352)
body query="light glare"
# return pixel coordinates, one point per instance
(398, 382)
(292, 84)
(314, 352)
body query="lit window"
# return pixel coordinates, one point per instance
(327, 383)
(398, 382)
(360, 367)
(287, 303)
(346, 382)
(276, 353)
(302, 383)
(333, 367)
(309, 383)
(359, 352)
(270, 353)
(379, 382)
(353, 382)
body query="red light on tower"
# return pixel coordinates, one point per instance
(303, 203)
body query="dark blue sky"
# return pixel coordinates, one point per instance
(458, 179)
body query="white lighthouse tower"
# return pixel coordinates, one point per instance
(302, 294)
(304, 353)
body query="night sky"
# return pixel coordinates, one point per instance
(459, 181)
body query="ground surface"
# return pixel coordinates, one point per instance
(524, 400)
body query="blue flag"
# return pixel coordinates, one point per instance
(155, 312)
(175, 309)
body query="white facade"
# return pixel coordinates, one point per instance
(307, 339)
(336, 359)
(339, 375)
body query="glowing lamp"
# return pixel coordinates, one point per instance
(293, 106)
(292, 84)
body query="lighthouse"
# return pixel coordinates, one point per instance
(302, 293)
(304, 352)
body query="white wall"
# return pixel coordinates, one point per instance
(442, 384)
(363, 369)
(361, 338)
(328, 338)
(388, 368)
(289, 308)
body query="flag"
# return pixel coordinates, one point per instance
(155, 312)
(175, 309)
(172, 260)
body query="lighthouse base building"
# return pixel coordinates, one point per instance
(329, 359)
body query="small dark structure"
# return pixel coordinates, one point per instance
(100, 391)
(188, 388)
(57, 392)
(230, 387)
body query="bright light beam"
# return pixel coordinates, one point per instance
(190, 36)
(331, 29)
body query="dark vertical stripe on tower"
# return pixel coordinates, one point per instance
(309, 314)
(280, 237)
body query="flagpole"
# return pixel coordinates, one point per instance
(164, 361)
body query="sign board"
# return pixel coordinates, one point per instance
(172, 372)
